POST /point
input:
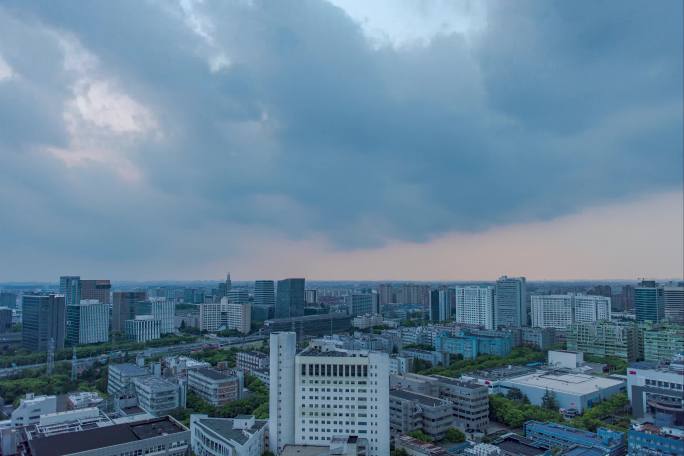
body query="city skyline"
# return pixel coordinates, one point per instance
(341, 140)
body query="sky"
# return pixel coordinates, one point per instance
(341, 139)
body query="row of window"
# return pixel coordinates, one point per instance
(662, 384)
(335, 370)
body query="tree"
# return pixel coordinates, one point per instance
(549, 400)
(454, 435)
(420, 435)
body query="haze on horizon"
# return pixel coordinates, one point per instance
(341, 139)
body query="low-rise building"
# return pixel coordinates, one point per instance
(556, 435)
(415, 447)
(415, 383)
(541, 338)
(213, 386)
(252, 360)
(120, 376)
(570, 390)
(471, 343)
(31, 408)
(155, 395)
(83, 399)
(412, 412)
(657, 392)
(470, 402)
(663, 342)
(647, 439)
(239, 436)
(156, 436)
(434, 358)
(399, 365)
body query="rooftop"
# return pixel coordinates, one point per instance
(129, 369)
(516, 444)
(155, 382)
(458, 382)
(212, 374)
(421, 398)
(104, 437)
(565, 382)
(223, 428)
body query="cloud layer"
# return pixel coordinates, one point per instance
(164, 136)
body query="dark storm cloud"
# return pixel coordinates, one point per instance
(307, 130)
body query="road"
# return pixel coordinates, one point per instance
(178, 349)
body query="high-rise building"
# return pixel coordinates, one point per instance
(99, 290)
(442, 304)
(70, 287)
(87, 322)
(8, 300)
(311, 296)
(238, 296)
(264, 293)
(475, 306)
(290, 298)
(123, 307)
(362, 303)
(357, 404)
(5, 319)
(560, 311)
(649, 304)
(510, 302)
(673, 298)
(281, 403)
(239, 317)
(42, 320)
(164, 310)
(142, 328)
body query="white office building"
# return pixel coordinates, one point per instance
(475, 306)
(164, 310)
(560, 311)
(143, 328)
(239, 317)
(239, 436)
(31, 408)
(211, 316)
(155, 395)
(87, 322)
(326, 392)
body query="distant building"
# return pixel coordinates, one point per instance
(417, 412)
(5, 319)
(649, 302)
(143, 328)
(213, 386)
(556, 435)
(510, 302)
(541, 338)
(43, 318)
(240, 436)
(155, 395)
(239, 317)
(123, 307)
(311, 296)
(471, 343)
(560, 311)
(398, 365)
(8, 299)
(311, 325)
(99, 290)
(362, 304)
(264, 294)
(442, 304)
(475, 306)
(164, 310)
(87, 323)
(70, 287)
(290, 298)
(673, 300)
(605, 338)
